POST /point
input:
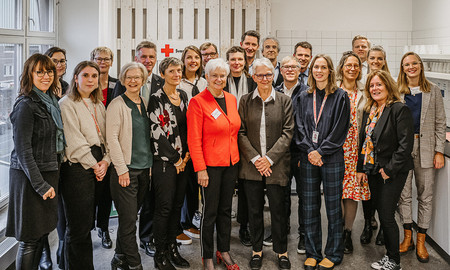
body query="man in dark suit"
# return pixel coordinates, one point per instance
(303, 52)
(146, 55)
(270, 50)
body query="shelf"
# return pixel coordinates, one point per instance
(437, 75)
(435, 56)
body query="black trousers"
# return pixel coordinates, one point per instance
(128, 200)
(242, 207)
(103, 201)
(386, 195)
(29, 254)
(146, 216)
(190, 204)
(255, 201)
(170, 189)
(78, 192)
(217, 199)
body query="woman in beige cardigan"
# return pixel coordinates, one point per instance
(128, 140)
(86, 161)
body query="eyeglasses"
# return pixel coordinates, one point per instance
(350, 66)
(290, 67)
(413, 64)
(99, 59)
(268, 76)
(41, 73)
(209, 54)
(62, 61)
(136, 78)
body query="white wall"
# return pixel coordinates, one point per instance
(78, 30)
(330, 25)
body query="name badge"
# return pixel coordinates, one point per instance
(315, 136)
(216, 113)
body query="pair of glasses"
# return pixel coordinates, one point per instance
(41, 73)
(106, 60)
(209, 54)
(136, 78)
(290, 67)
(62, 61)
(268, 76)
(349, 67)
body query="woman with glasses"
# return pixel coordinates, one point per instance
(35, 160)
(264, 140)
(128, 139)
(323, 119)
(348, 78)
(104, 57)
(58, 57)
(86, 162)
(426, 103)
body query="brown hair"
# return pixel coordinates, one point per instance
(145, 44)
(183, 57)
(331, 84)
(379, 49)
(206, 45)
(96, 95)
(402, 80)
(340, 67)
(26, 79)
(239, 49)
(391, 87)
(251, 33)
(304, 45)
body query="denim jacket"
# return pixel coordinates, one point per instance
(34, 135)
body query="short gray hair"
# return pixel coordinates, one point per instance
(166, 62)
(214, 64)
(270, 38)
(289, 58)
(129, 66)
(262, 62)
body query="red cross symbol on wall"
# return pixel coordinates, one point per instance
(167, 50)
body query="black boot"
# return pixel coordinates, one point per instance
(119, 262)
(366, 235)
(60, 254)
(161, 260)
(46, 259)
(380, 238)
(106, 240)
(175, 256)
(348, 244)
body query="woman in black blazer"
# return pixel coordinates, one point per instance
(386, 142)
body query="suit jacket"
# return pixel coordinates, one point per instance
(279, 131)
(157, 82)
(111, 86)
(279, 80)
(393, 139)
(432, 126)
(212, 134)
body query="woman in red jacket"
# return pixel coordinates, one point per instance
(213, 123)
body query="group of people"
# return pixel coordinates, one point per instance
(206, 126)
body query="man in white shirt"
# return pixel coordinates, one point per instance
(361, 46)
(270, 50)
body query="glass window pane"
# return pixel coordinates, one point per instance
(41, 15)
(11, 14)
(10, 57)
(38, 48)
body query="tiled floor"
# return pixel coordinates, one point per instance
(360, 259)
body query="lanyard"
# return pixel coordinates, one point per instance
(95, 121)
(316, 120)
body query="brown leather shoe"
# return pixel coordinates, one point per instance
(408, 243)
(421, 250)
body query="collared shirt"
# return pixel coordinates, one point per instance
(146, 88)
(303, 76)
(262, 128)
(289, 92)
(364, 69)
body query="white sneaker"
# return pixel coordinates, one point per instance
(379, 264)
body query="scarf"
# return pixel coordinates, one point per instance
(242, 87)
(367, 148)
(52, 105)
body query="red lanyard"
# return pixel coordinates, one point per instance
(316, 120)
(95, 120)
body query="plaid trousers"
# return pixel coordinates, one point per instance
(331, 175)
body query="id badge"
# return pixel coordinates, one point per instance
(315, 136)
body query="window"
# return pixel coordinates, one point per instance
(40, 18)
(11, 14)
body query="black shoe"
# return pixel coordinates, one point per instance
(284, 263)
(46, 259)
(301, 249)
(256, 262)
(268, 241)
(380, 238)
(106, 240)
(348, 244)
(149, 248)
(244, 236)
(366, 235)
(119, 262)
(162, 262)
(60, 254)
(175, 257)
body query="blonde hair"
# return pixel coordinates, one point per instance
(331, 84)
(379, 49)
(391, 87)
(402, 81)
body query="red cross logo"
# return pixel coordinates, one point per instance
(167, 50)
